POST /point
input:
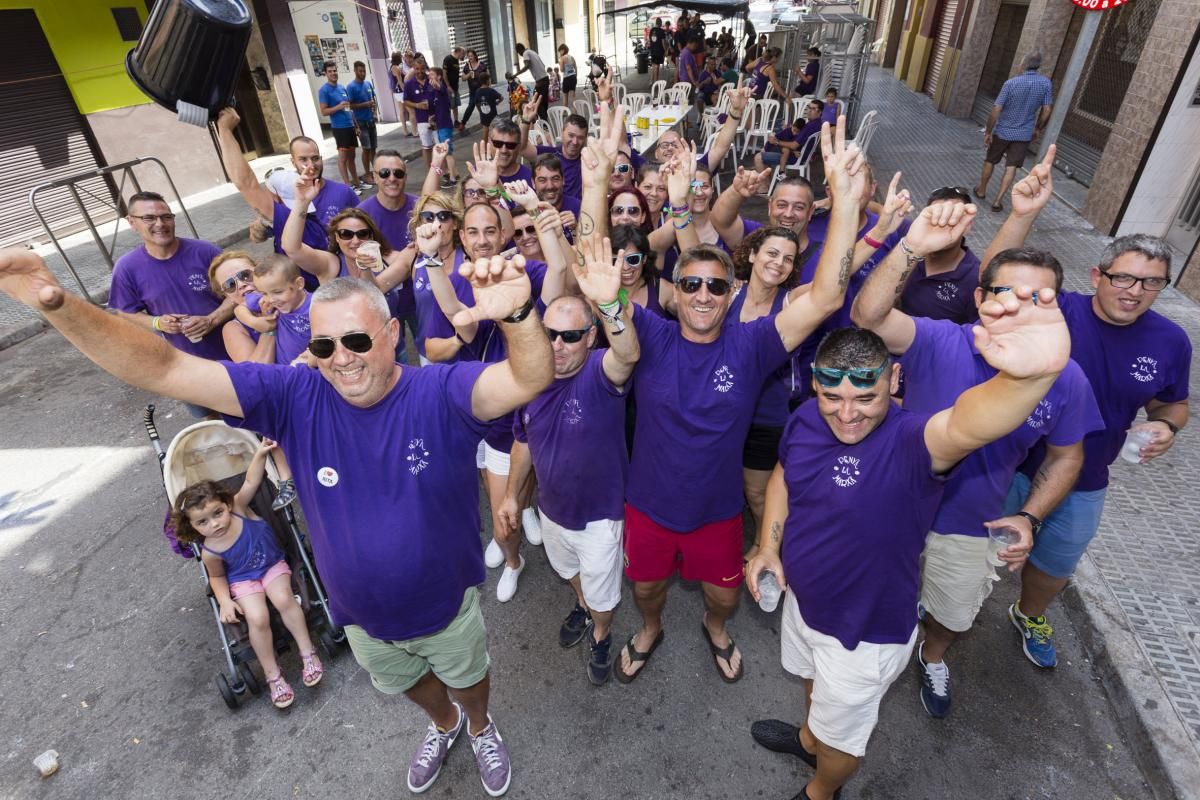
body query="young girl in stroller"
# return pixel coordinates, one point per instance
(246, 568)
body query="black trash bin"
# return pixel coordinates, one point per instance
(189, 55)
(643, 63)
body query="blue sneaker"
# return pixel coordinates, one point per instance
(935, 685)
(574, 627)
(599, 667)
(1035, 634)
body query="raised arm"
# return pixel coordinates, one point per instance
(738, 99)
(398, 269)
(935, 228)
(724, 215)
(528, 117)
(243, 178)
(443, 291)
(321, 263)
(598, 158)
(599, 278)
(126, 351)
(486, 173)
(1029, 344)
(255, 472)
(1029, 196)
(895, 209)
(437, 162)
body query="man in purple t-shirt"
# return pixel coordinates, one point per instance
(942, 284)
(574, 137)
(418, 96)
(703, 378)
(566, 435)
(548, 183)
(848, 508)
(939, 363)
(392, 208)
(505, 137)
(397, 547)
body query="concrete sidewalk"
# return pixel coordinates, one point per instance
(1136, 597)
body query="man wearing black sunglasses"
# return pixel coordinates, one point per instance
(398, 565)
(848, 457)
(703, 379)
(940, 362)
(392, 208)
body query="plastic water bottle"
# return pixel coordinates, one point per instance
(1134, 442)
(768, 591)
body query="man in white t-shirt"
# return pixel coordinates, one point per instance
(541, 79)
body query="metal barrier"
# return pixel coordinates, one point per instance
(118, 205)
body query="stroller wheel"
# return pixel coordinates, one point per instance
(328, 642)
(226, 691)
(249, 678)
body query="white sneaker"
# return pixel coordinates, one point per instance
(506, 587)
(532, 526)
(493, 556)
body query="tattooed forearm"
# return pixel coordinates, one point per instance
(776, 532)
(586, 225)
(844, 270)
(1039, 480)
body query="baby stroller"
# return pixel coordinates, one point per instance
(212, 450)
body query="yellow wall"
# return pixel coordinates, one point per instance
(88, 48)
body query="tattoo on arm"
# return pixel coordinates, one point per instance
(1039, 480)
(844, 272)
(586, 225)
(775, 532)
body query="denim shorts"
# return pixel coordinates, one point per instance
(1066, 533)
(446, 135)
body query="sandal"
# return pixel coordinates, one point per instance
(975, 191)
(997, 207)
(312, 669)
(636, 657)
(281, 693)
(725, 653)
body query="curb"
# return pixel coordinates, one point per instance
(1161, 744)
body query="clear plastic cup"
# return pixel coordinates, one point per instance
(190, 337)
(371, 250)
(768, 591)
(1000, 539)
(1134, 442)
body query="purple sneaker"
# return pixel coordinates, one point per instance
(492, 757)
(428, 761)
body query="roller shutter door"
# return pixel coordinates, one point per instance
(468, 23)
(937, 59)
(43, 137)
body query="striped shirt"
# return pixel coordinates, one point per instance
(1020, 99)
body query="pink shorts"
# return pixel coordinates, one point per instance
(243, 588)
(712, 553)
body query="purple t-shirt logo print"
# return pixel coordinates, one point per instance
(723, 379)
(845, 472)
(1144, 369)
(417, 456)
(572, 411)
(1041, 415)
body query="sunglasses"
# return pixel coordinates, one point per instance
(150, 219)
(568, 337)
(440, 216)
(345, 234)
(860, 378)
(950, 193)
(231, 283)
(386, 173)
(474, 193)
(528, 230)
(692, 283)
(634, 259)
(622, 169)
(630, 210)
(355, 342)
(504, 145)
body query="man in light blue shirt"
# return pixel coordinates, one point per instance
(1021, 111)
(362, 101)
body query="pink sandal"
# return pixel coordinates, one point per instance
(281, 693)
(312, 669)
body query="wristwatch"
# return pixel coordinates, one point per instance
(521, 313)
(432, 261)
(1034, 522)
(1174, 428)
(613, 317)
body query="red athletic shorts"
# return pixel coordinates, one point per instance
(712, 553)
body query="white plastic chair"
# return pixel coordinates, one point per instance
(656, 91)
(800, 166)
(684, 92)
(584, 109)
(558, 120)
(762, 123)
(588, 94)
(797, 105)
(540, 134)
(618, 92)
(635, 102)
(866, 130)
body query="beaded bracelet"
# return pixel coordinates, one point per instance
(687, 221)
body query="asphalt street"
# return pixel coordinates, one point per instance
(108, 655)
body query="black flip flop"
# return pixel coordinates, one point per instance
(636, 656)
(977, 194)
(998, 207)
(725, 653)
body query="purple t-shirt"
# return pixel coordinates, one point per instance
(687, 66)
(416, 92)
(705, 395)
(1128, 366)
(431, 322)
(947, 295)
(331, 200)
(440, 102)
(177, 285)
(569, 428)
(772, 408)
(856, 525)
(381, 488)
(292, 332)
(572, 179)
(394, 225)
(942, 363)
(523, 172)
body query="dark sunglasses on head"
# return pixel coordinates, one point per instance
(950, 193)
(386, 173)
(504, 145)
(631, 210)
(355, 342)
(860, 378)
(345, 234)
(692, 283)
(231, 283)
(622, 169)
(528, 230)
(440, 216)
(568, 337)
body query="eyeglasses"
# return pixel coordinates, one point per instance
(386, 173)
(474, 193)
(440, 216)
(692, 283)
(997, 289)
(622, 169)
(635, 260)
(1122, 281)
(345, 234)
(528, 230)
(504, 145)
(860, 378)
(231, 283)
(950, 193)
(632, 211)
(150, 219)
(568, 337)
(355, 342)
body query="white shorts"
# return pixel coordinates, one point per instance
(955, 578)
(398, 97)
(848, 685)
(425, 362)
(426, 131)
(594, 554)
(495, 461)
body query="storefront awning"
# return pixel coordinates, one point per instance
(725, 9)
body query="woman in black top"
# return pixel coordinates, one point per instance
(473, 70)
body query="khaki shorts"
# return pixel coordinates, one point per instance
(457, 654)
(956, 578)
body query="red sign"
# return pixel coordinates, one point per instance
(1098, 5)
